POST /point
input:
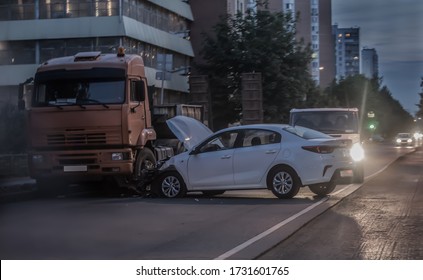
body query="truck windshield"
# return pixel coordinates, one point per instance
(80, 92)
(342, 122)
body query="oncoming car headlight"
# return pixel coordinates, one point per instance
(357, 152)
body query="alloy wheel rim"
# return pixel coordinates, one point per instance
(282, 182)
(171, 186)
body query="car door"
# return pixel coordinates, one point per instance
(211, 166)
(258, 149)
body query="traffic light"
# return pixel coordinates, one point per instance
(372, 125)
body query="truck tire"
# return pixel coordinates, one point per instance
(146, 161)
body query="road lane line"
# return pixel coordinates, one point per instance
(269, 231)
(290, 219)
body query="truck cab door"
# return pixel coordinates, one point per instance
(136, 111)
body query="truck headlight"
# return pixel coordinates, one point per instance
(117, 156)
(357, 152)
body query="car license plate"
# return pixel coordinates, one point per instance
(75, 168)
(346, 173)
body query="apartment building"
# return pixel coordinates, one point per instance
(347, 51)
(369, 63)
(314, 26)
(33, 31)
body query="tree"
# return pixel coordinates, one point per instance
(368, 96)
(262, 42)
(419, 113)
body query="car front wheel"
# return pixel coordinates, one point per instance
(283, 182)
(170, 185)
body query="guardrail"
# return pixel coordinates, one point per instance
(13, 165)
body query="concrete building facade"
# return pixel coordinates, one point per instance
(34, 31)
(369, 63)
(347, 51)
(314, 26)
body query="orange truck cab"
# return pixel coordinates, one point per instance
(89, 117)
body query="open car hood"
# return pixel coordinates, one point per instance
(188, 130)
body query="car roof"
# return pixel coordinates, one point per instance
(256, 126)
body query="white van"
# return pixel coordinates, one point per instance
(337, 122)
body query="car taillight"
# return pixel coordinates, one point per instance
(323, 149)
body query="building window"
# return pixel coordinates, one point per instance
(17, 52)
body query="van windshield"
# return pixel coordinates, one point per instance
(342, 122)
(79, 92)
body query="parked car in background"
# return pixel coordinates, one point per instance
(404, 139)
(278, 157)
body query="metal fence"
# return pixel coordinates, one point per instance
(13, 165)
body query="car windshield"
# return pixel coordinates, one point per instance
(404, 135)
(344, 122)
(306, 133)
(81, 92)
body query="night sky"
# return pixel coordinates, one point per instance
(395, 29)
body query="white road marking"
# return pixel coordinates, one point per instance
(269, 231)
(290, 219)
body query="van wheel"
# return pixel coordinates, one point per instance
(284, 182)
(322, 189)
(358, 174)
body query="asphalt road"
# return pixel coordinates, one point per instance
(237, 225)
(380, 221)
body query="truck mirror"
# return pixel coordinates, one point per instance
(140, 91)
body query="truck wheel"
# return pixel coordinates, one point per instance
(170, 185)
(283, 181)
(146, 161)
(322, 189)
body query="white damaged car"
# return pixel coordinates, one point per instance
(277, 157)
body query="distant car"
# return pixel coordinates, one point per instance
(376, 138)
(404, 139)
(278, 157)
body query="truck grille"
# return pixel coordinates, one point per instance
(76, 139)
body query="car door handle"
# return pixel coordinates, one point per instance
(226, 157)
(271, 152)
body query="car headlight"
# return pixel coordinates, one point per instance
(398, 140)
(409, 140)
(357, 152)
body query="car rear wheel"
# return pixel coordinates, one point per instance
(170, 185)
(283, 182)
(322, 189)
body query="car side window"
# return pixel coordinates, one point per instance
(223, 141)
(256, 137)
